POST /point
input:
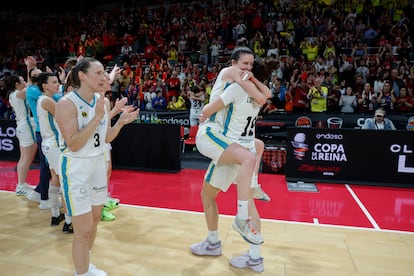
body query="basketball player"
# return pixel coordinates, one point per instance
(25, 132)
(84, 124)
(46, 105)
(239, 126)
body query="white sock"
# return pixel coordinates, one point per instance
(254, 251)
(254, 183)
(213, 236)
(54, 200)
(68, 219)
(242, 210)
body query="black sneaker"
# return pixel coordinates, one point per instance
(67, 228)
(56, 220)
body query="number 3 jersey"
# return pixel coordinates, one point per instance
(85, 113)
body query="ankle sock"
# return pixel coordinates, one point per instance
(242, 210)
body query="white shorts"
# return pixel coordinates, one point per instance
(108, 152)
(84, 183)
(52, 152)
(223, 175)
(26, 133)
(211, 143)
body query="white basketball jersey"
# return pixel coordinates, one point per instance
(47, 123)
(216, 120)
(85, 113)
(240, 115)
(21, 109)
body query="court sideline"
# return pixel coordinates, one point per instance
(339, 230)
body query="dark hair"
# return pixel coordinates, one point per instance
(70, 62)
(238, 51)
(33, 78)
(68, 82)
(44, 78)
(262, 68)
(11, 82)
(83, 65)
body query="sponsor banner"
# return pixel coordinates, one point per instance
(274, 159)
(350, 156)
(176, 117)
(277, 124)
(9, 144)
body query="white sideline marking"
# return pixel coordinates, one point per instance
(364, 210)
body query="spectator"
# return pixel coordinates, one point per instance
(386, 98)
(396, 82)
(348, 101)
(239, 30)
(317, 96)
(367, 100)
(124, 80)
(172, 56)
(273, 51)
(332, 100)
(268, 108)
(214, 52)
(362, 69)
(173, 85)
(159, 103)
(299, 93)
(379, 121)
(278, 90)
(404, 103)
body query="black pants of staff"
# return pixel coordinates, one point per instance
(43, 186)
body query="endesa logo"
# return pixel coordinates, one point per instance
(329, 136)
(6, 143)
(403, 151)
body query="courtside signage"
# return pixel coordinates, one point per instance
(350, 156)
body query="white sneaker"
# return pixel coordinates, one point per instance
(248, 230)
(34, 196)
(260, 194)
(245, 261)
(23, 189)
(205, 248)
(94, 271)
(44, 205)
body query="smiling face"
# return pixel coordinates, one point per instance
(245, 61)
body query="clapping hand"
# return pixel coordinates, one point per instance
(120, 105)
(100, 108)
(128, 115)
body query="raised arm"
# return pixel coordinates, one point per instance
(253, 88)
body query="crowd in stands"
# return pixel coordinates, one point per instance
(334, 56)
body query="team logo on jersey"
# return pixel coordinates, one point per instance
(84, 114)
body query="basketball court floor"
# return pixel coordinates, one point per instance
(332, 210)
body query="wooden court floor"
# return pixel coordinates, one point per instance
(324, 233)
(153, 241)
